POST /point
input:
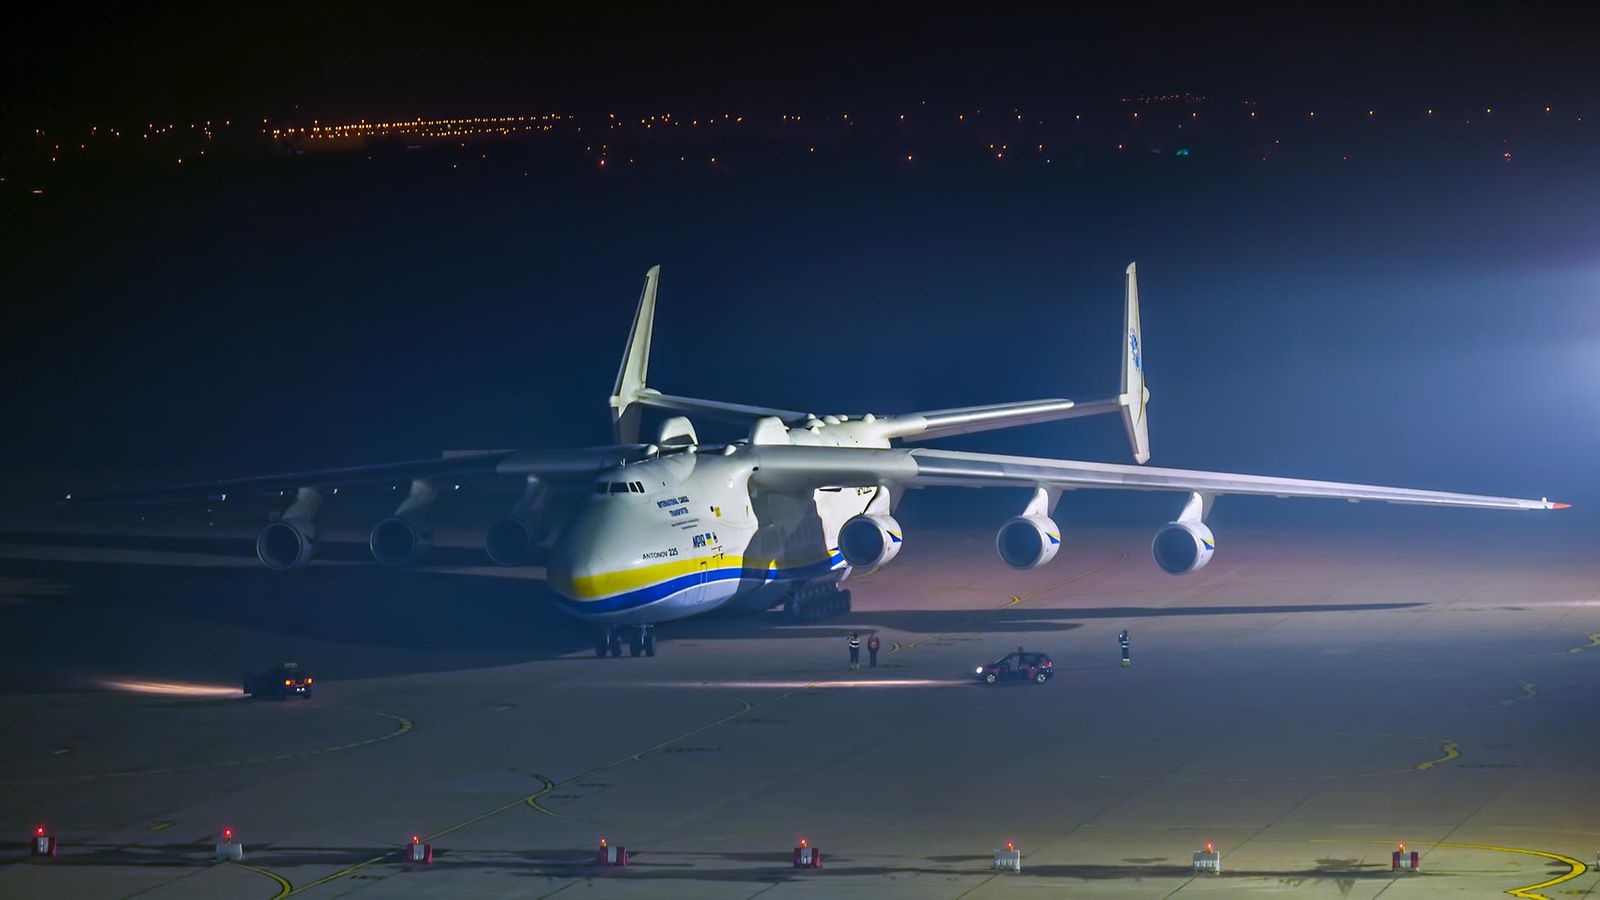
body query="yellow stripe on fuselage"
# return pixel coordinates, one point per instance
(606, 584)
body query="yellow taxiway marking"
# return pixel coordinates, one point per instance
(533, 799)
(284, 887)
(402, 725)
(1017, 600)
(1574, 867)
(1594, 641)
(1452, 750)
(1528, 692)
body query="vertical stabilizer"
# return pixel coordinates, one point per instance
(1135, 395)
(625, 408)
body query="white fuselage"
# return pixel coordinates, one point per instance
(684, 533)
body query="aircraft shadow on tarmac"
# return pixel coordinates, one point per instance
(388, 622)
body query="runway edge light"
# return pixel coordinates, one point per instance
(1208, 860)
(807, 856)
(43, 843)
(419, 853)
(610, 854)
(227, 847)
(1009, 859)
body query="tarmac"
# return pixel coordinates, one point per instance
(1305, 703)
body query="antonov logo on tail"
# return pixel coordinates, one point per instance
(805, 499)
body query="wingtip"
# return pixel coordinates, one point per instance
(1132, 269)
(1561, 506)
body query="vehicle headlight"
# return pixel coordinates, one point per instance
(980, 670)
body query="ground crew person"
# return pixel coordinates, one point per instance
(872, 650)
(855, 651)
(1123, 640)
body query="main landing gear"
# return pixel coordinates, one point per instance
(813, 606)
(641, 640)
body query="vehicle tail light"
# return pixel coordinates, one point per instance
(308, 681)
(288, 681)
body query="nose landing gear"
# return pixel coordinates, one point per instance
(641, 641)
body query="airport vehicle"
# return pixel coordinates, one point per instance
(1019, 666)
(669, 528)
(278, 683)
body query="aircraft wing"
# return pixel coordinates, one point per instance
(788, 468)
(552, 465)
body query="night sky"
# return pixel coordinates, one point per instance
(1336, 282)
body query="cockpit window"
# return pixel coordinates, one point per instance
(619, 487)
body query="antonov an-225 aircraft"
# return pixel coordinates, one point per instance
(673, 528)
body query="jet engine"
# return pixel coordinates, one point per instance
(286, 544)
(1028, 542)
(511, 541)
(869, 541)
(400, 540)
(1183, 547)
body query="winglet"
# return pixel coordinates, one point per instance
(625, 408)
(1135, 395)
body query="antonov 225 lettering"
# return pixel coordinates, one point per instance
(657, 531)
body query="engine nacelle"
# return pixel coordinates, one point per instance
(400, 540)
(1183, 547)
(286, 544)
(1028, 542)
(869, 541)
(511, 541)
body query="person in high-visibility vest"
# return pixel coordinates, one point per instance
(855, 651)
(1124, 641)
(872, 650)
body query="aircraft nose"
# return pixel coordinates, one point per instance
(580, 560)
(567, 569)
